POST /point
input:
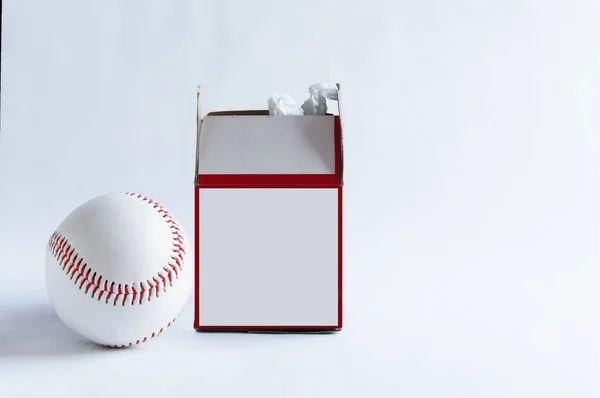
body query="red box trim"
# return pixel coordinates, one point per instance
(268, 181)
(242, 327)
(197, 257)
(340, 262)
(337, 144)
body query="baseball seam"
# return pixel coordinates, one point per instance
(145, 338)
(95, 286)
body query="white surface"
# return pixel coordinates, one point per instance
(471, 188)
(268, 257)
(119, 269)
(267, 145)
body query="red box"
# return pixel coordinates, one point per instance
(268, 221)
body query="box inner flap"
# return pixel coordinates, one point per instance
(252, 142)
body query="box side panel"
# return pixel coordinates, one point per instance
(268, 258)
(267, 145)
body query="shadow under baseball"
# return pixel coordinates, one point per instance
(36, 331)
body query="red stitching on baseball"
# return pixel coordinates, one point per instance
(144, 339)
(79, 271)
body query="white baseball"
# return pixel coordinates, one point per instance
(117, 269)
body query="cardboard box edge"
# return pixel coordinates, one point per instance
(339, 104)
(199, 120)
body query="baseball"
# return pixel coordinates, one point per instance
(117, 269)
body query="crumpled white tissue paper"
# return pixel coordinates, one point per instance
(316, 104)
(283, 105)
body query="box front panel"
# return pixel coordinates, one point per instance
(268, 257)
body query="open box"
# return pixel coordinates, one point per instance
(268, 221)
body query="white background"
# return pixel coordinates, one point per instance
(471, 200)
